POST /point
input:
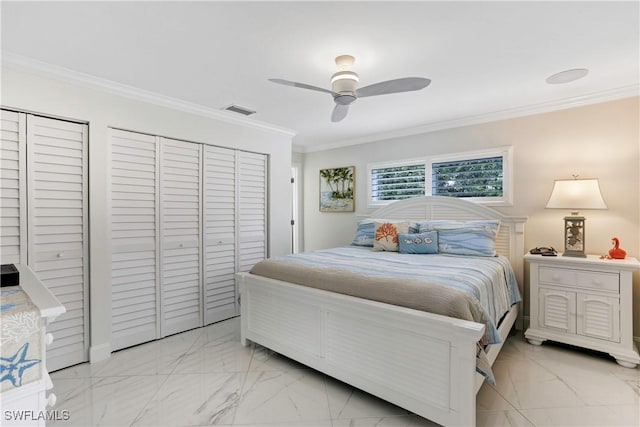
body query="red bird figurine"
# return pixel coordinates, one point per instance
(616, 252)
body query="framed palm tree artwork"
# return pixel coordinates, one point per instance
(337, 189)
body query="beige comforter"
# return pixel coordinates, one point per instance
(411, 293)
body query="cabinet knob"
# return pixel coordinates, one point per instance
(219, 241)
(60, 255)
(51, 399)
(48, 339)
(181, 245)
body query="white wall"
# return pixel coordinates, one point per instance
(29, 92)
(596, 141)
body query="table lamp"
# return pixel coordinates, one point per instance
(575, 194)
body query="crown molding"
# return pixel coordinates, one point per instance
(44, 69)
(528, 110)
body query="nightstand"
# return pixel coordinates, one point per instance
(586, 302)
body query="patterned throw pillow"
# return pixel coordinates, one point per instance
(386, 235)
(421, 243)
(476, 238)
(366, 231)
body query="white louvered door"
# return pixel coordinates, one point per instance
(57, 229)
(185, 218)
(13, 211)
(134, 243)
(252, 209)
(180, 193)
(219, 204)
(598, 316)
(557, 309)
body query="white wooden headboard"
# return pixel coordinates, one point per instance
(510, 240)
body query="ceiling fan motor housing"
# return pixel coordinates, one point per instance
(344, 99)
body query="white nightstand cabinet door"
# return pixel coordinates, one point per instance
(557, 310)
(598, 317)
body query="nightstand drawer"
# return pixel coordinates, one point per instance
(558, 276)
(600, 281)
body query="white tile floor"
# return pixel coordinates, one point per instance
(205, 377)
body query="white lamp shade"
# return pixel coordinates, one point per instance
(576, 194)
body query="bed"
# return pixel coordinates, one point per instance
(421, 361)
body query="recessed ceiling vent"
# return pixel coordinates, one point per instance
(240, 110)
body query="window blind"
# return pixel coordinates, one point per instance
(397, 183)
(482, 177)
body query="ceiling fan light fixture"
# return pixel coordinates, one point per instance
(344, 81)
(342, 75)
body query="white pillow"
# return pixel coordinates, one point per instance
(386, 235)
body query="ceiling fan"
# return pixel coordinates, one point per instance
(344, 85)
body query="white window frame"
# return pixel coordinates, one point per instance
(507, 172)
(379, 165)
(506, 152)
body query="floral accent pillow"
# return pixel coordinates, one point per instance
(366, 231)
(386, 235)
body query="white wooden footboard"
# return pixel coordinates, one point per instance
(420, 361)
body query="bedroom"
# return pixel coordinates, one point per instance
(588, 127)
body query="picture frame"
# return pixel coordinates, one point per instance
(337, 189)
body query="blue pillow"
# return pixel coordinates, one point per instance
(476, 238)
(366, 231)
(421, 243)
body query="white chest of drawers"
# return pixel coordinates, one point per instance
(24, 400)
(587, 302)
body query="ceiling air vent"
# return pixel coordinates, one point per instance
(240, 110)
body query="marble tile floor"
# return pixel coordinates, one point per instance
(205, 377)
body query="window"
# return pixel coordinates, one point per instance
(467, 178)
(479, 176)
(397, 182)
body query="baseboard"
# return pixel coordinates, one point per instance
(99, 352)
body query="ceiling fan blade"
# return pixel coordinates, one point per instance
(302, 85)
(339, 112)
(406, 84)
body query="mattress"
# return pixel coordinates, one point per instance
(480, 289)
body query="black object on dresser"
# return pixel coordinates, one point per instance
(9, 275)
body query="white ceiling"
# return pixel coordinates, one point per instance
(484, 58)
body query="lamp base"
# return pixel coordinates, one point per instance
(573, 254)
(574, 228)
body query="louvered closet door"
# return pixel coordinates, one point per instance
(57, 228)
(219, 233)
(252, 207)
(134, 211)
(181, 236)
(13, 216)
